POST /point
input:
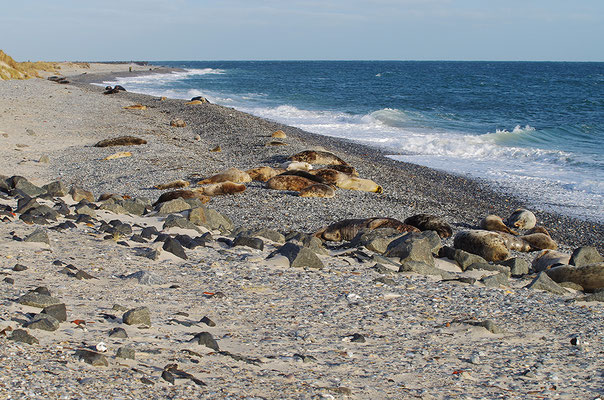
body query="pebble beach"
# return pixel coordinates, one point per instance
(158, 304)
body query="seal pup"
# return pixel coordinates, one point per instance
(221, 188)
(540, 241)
(495, 223)
(181, 194)
(318, 190)
(200, 98)
(548, 258)
(318, 157)
(177, 184)
(279, 134)
(263, 174)
(522, 219)
(231, 174)
(365, 185)
(488, 245)
(289, 182)
(428, 222)
(296, 165)
(347, 229)
(330, 175)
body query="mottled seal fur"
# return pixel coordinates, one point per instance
(330, 175)
(548, 258)
(304, 174)
(221, 188)
(121, 141)
(522, 219)
(347, 229)
(318, 190)
(590, 277)
(135, 107)
(178, 184)
(488, 245)
(231, 174)
(495, 223)
(538, 229)
(289, 182)
(318, 157)
(182, 194)
(428, 222)
(539, 241)
(263, 174)
(296, 165)
(515, 242)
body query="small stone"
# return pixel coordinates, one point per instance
(44, 322)
(172, 206)
(357, 338)
(92, 357)
(167, 376)
(59, 311)
(81, 275)
(518, 266)
(149, 232)
(497, 280)
(19, 268)
(21, 335)
(207, 321)
(117, 307)
(137, 316)
(126, 352)
(197, 137)
(147, 381)
(385, 280)
(253, 242)
(412, 247)
(299, 257)
(206, 339)
(56, 189)
(118, 333)
(465, 259)
(38, 236)
(490, 326)
(9, 280)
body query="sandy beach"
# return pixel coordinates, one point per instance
(349, 327)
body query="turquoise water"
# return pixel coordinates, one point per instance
(535, 129)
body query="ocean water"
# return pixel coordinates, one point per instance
(534, 129)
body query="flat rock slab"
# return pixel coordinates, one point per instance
(21, 335)
(544, 282)
(45, 322)
(35, 299)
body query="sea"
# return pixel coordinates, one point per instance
(531, 129)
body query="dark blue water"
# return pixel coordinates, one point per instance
(533, 128)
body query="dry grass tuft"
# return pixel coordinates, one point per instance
(11, 69)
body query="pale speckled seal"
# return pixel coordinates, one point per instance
(488, 245)
(318, 157)
(221, 188)
(522, 219)
(231, 174)
(347, 229)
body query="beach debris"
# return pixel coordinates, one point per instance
(429, 222)
(120, 154)
(318, 157)
(135, 107)
(177, 184)
(489, 245)
(522, 219)
(178, 123)
(232, 174)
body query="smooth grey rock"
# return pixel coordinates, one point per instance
(424, 269)
(126, 352)
(147, 278)
(298, 256)
(92, 357)
(114, 208)
(85, 210)
(29, 188)
(586, 255)
(465, 259)
(59, 311)
(119, 333)
(83, 275)
(253, 242)
(412, 247)
(500, 279)
(44, 322)
(56, 189)
(207, 321)
(376, 240)
(178, 221)
(134, 206)
(490, 267)
(19, 268)
(544, 282)
(137, 316)
(211, 219)
(38, 236)
(175, 248)
(206, 339)
(38, 300)
(172, 206)
(21, 335)
(518, 266)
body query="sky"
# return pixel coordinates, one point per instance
(155, 30)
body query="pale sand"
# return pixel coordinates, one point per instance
(419, 343)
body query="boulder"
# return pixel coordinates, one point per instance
(412, 247)
(544, 282)
(585, 256)
(137, 316)
(298, 256)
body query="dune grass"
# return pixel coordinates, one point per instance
(11, 69)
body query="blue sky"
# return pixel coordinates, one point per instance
(304, 29)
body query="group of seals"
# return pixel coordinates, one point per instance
(115, 89)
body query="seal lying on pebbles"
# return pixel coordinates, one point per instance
(279, 134)
(318, 190)
(182, 194)
(495, 223)
(538, 229)
(318, 157)
(121, 141)
(488, 245)
(289, 182)
(178, 184)
(428, 222)
(119, 154)
(263, 174)
(347, 229)
(135, 107)
(365, 185)
(304, 174)
(515, 242)
(330, 175)
(112, 90)
(221, 188)
(548, 258)
(590, 277)
(522, 219)
(231, 174)
(296, 165)
(540, 241)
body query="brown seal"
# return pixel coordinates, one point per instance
(231, 174)
(330, 175)
(495, 223)
(263, 174)
(365, 185)
(181, 194)
(590, 277)
(347, 229)
(428, 222)
(548, 258)
(540, 241)
(279, 134)
(135, 107)
(318, 190)
(221, 188)
(318, 157)
(121, 141)
(538, 229)
(289, 182)
(304, 174)
(488, 245)
(178, 184)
